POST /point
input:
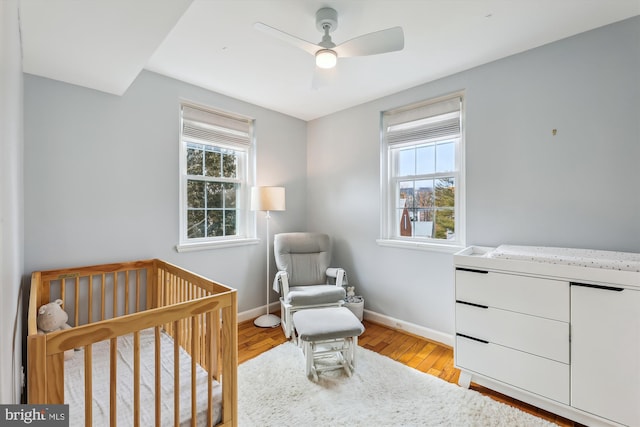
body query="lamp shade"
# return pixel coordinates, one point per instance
(267, 199)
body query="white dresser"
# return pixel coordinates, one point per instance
(557, 328)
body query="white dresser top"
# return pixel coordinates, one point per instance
(569, 256)
(574, 265)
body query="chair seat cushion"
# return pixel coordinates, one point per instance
(315, 294)
(319, 324)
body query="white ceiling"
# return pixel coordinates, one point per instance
(104, 44)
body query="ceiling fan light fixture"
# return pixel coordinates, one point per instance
(326, 58)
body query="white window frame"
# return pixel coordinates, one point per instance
(241, 139)
(388, 188)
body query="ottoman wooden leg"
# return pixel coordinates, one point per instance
(308, 349)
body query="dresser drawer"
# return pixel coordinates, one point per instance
(529, 295)
(535, 374)
(536, 335)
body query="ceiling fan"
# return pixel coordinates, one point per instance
(327, 52)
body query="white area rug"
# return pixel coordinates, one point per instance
(273, 390)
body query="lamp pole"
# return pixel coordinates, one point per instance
(267, 199)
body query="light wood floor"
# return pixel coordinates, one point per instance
(419, 353)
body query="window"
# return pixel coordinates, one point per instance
(216, 154)
(422, 170)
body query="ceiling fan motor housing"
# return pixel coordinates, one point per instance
(327, 17)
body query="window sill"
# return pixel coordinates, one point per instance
(422, 246)
(203, 246)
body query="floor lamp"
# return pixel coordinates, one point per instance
(267, 199)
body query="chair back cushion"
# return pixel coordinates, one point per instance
(304, 256)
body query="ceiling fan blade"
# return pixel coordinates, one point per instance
(322, 77)
(383, 41)
(302, 44)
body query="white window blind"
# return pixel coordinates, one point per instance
(427, 122)
(215, 127)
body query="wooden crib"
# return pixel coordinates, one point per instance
(154, 299)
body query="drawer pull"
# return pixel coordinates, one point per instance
(472, 338)
(604, 288)
(471, 270)
(472, 304)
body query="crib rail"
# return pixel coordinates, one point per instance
(199, 314)
(96, 293)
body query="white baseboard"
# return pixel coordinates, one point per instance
(258, 311)
(412, 328)
(390, 322)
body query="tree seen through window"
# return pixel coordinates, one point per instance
(211, 198)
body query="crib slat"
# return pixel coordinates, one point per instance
(62, 290)
(88, 386)
(115, 295)
(153, 287)
(203, 338)
(126, 292)
(195, 331)
(45, 292)
(138, 290)
(172, 288)
(176, 375)
(184, 337)
(157, 378)
(165, 284)
(76, 307)
(136, 379)
(90, 313)
(176, 285)
(165, 300)
(153, 299)
(216, 338)
(180, 297)
(209, 353)
(172, 299)
(113, 381)
(185, 324)
(103, 297)
(162, 294)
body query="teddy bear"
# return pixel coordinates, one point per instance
(51, 318)
(351, 291)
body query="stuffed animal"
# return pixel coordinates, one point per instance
(51, 318)
(351, 291)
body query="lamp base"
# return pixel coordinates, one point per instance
(267, 321)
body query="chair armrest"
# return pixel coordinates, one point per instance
(281, 283)
(338, 274)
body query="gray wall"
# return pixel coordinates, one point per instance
(101, 179)
(524, 186)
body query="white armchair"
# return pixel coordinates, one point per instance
(304, 278)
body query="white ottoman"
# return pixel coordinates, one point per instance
(329, 335)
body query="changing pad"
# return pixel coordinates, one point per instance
(611, 260)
